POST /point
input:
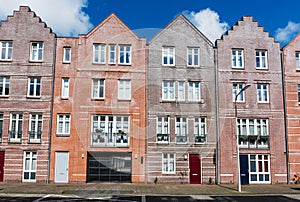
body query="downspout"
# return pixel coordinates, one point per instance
(285, 120)
(217, 117)
(51, 108)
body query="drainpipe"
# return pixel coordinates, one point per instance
(285, 120)
(51, 108)
(217, 117)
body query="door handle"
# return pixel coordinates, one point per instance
(195, 174)
(243, 175)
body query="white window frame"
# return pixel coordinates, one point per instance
(65, 88)
(37, 121)
(4, 84)
(112, 54)
(124, 89)
(237, 58)
(262, 92)
(297, 60)
(168, 90)
(200, 128)
(36, 51)
(99, 53)
(16, 120)
(98, 84)
(6, 48)
(67, 55)
(36, 83)
(124, 54)
(63, 120)
(168, 56)
(236, 88)
(168, 163)
(193, 57)
(261, 59)
(181, 128)
(265, 171)
(180, 91)
(30, 166)
(194, 92)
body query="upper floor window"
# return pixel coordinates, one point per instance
(162, 129)
(299, 93)
(168, 56)
(99, 51)
(36, 54)
(193, 57)
(15, 127)
(35, 127)
(112, 54)
(200, 130)
(124, 90)
(236, 88)
(67, 55)
(65, 87)
(262, 92)
(194, 91)
(261, 59)
(98, 88)
(34, 87)
(237, 58)
(181, 90)
(168, 90)
(124, 54)
(4, 86)
(63, 124)
(6, 50)
(297, 54)
(181, 129)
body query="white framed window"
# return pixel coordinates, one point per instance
(181, 129)
(15, 127)
(236, 88)
(162, 129)
(35, 127)
(37, 49)
(29, 167)
(65, 85)
(193, 57)
(124, 90)
(298, 93)
(168, 90)
(98, 89)
(112, 54)
(67, 55)
(237, 58)
(200, 129)
(297, 55)
(168, 163)
(99, 51)
(263, 92)
(261, 59)
(1, 126)
(194, 91)
(180, 90)
(259, 170)
(168, 56)
(4, 85)
(34, 87)
(6, 50)
(63, 124)
(124, 54)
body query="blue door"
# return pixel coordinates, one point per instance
(244, 169)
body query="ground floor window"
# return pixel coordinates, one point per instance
(29, 169)
(168, 163)
(259, 168)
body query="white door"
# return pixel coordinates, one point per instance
(61, 167)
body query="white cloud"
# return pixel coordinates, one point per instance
(289, 32)
(65, 17)
(208, 22)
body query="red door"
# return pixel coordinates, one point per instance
(1, 165)
(195, 169)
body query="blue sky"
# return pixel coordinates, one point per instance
(212, 17)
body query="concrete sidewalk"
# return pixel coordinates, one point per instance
(143, 189)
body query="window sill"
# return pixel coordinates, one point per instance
(4, 96)
(63, 135)
(33, 97)
(64, 98)
(66, 62)
(97, 99)
(36, 61)
(124, 100)
(3, 60)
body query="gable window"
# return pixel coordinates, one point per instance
(98, 88)
(168, 163)
(200, 130)
(37, 51)
(237, 58)
(4, 86)
(67, 55)
(124, 90)
(29, 169)
(168, 56)
(35, 128)
(112, 54)
(261, 59)
(262, 92)
(6, 50)
(99, 53)
(181, 129)
(194, 91)
(63, 124)
(193, 57)
(236, 88)
(65, 88)
(15, 127)
(34, 87)
(168, 90)
(162, 129)
(297, 54)
(124, 54)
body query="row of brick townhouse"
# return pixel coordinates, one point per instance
(108, 107)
